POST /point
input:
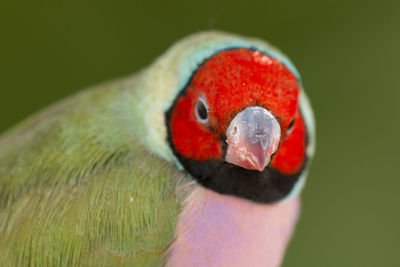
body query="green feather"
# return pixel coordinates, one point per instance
(78, 189)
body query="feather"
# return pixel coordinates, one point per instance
(78, 188)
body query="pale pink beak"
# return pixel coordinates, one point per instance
(252, 137)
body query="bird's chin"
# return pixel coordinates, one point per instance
(266, 186)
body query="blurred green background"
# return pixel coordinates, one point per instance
(347, 52)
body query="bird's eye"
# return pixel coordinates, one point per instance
(290, 127)
(202, 110)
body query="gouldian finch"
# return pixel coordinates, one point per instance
(196, 160)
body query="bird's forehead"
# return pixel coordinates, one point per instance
(209, 44)
(234, 79)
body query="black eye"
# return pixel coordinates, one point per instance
(289, 129)
(202, 110)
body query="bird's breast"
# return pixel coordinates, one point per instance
(222, 230)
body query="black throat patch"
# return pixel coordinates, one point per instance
(265, 187)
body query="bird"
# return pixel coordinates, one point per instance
(196, 160)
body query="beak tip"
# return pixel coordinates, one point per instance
(261, 165)
(248, 160)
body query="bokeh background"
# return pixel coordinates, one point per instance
(347, 52)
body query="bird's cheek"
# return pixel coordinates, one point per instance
(290, 156)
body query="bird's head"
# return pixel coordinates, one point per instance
(239, 123)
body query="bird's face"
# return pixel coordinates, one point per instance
(237, 127)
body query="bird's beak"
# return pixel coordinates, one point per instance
(252, 137)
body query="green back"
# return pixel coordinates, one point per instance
(77, 188)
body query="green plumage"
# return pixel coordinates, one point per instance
(77, 188)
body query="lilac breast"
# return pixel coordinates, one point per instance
(222, 230)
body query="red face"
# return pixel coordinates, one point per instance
(224, 85)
